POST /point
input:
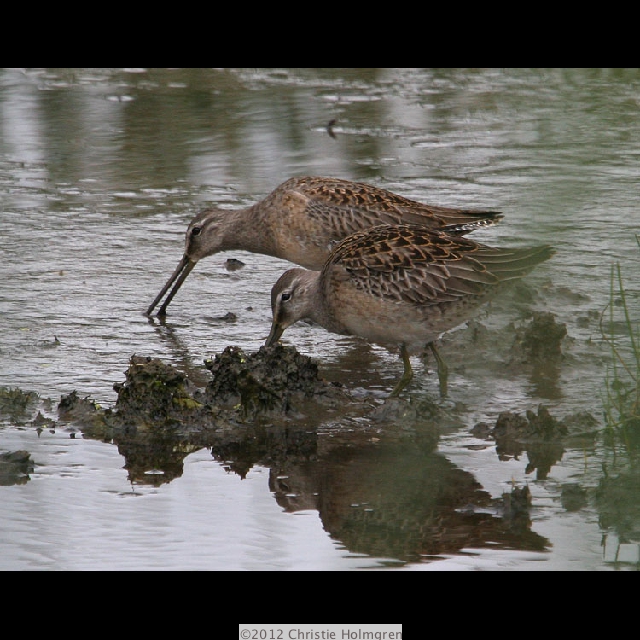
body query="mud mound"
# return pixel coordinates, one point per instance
(275, 378)
(155, 393)
(16, 404)
(541, 340)
(15, 467)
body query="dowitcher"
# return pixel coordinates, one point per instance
(303, 218)
(398, 285)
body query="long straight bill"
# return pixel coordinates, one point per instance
(276, 331)
(178, 276)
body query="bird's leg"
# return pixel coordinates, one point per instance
(407, 374)
(443, 370)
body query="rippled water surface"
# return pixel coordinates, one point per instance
(101, 171)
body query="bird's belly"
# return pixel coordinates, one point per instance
(392, 322)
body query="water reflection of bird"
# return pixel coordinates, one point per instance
(398, 284)
(303, 218)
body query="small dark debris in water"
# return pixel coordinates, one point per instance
(50, 343)
(227, 317)
(476, 447)
(330, 125)
(15, 467)
(616, 499)
(232, 264)
(541, 339)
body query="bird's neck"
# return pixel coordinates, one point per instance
(249, 231)
(320, 312)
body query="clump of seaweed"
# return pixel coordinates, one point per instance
(622, 395)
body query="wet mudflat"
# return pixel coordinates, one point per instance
(183, 443)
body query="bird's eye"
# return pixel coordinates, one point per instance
(285, 296)
(196, 231)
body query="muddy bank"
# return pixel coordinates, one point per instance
(269, 405)
(255, 404)
(325, 449)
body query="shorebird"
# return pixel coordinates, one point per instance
(398, 285)
(302, 219)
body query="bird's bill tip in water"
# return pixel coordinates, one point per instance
(178, 276)
(276, 332)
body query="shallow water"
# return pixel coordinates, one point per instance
(100, 173)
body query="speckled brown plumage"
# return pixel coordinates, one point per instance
(398, 284)
(302, 219)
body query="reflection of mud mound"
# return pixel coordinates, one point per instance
(154, 459)
(541, 436)
(618, 504)
(267, 445)
(389, 494)
(410, 505)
